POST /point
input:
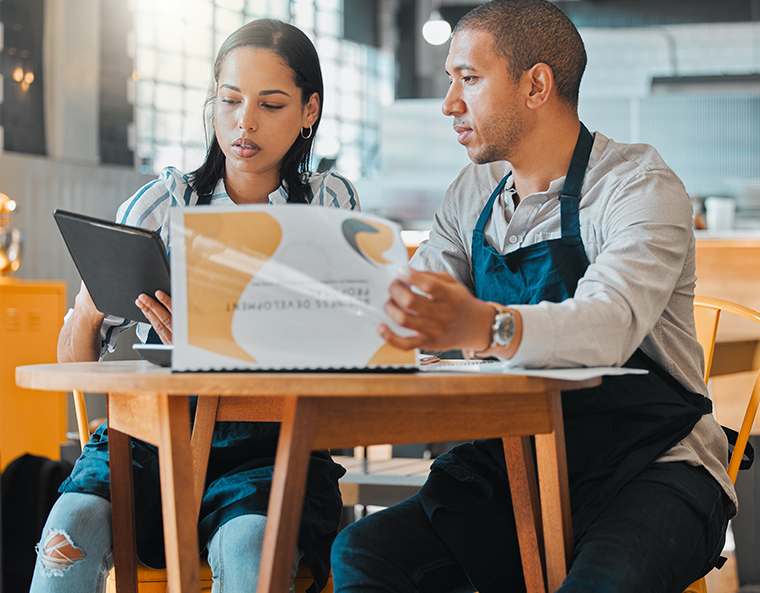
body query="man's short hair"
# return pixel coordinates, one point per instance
(526, 32)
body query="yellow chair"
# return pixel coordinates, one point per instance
(707, 313)
(151, 580)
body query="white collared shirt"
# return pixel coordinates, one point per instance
(636, 226)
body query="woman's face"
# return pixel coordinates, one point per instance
(259, 112)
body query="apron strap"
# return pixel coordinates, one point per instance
(153, 337)
(486, 212)
(569, 197)
(570, 220)
(749, 451)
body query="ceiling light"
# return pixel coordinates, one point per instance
(436, 31)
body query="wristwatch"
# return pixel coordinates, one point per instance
(502, 330)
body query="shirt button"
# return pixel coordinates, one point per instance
(513, 239)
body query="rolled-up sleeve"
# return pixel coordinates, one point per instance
(645, 233)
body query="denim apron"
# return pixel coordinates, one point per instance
(612, 431)
(238, 482)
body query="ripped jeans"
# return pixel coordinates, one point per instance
(75, 552)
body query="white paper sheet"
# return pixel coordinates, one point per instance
(505, 368)
(282, 287)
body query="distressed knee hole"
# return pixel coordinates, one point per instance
(58, 553)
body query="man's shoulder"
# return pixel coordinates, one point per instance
(635, 178)
(609, 156)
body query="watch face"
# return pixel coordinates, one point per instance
(504, 329)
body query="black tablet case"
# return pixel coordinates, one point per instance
(116, 262)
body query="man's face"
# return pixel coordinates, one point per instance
(482, 98)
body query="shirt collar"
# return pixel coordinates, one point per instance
(555, 187)
(278, 196)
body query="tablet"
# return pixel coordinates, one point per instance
(158, 354)
(116, 262)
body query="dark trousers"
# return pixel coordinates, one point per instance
(663, 530)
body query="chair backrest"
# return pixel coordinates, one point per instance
(83, 424)
(707, 313)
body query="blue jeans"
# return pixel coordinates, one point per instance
(75, 552)
(663, 530)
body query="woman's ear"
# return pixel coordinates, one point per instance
(311, 111)
(541, 80)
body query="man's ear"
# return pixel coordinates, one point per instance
(541, 80)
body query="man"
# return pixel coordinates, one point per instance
(555, 248)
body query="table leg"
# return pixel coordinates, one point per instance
(555, 498)
(525, 502)
(180, 517)
(286, 499)
(122, 511)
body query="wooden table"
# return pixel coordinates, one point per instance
(320, 411)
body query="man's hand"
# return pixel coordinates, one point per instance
(447, 316)
(159, 313)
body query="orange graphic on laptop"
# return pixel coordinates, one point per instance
(368, 239)
(223, 254)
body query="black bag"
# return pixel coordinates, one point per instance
(29, 489)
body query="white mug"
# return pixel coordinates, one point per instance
(720, 213)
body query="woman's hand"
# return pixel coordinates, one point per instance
(159, 313)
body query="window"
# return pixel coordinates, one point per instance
(177, 41)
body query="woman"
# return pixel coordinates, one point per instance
(266, 109)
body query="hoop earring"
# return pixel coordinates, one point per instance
(308, 136)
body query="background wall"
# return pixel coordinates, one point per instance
(72, 82)
(39, 186)
(22, 122)
(664, 74)
(690, 89)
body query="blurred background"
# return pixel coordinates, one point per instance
(97, 96)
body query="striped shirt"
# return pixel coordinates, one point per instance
(149, 208)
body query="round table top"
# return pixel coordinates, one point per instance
(137, 376)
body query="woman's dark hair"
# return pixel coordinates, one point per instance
(293, 46)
